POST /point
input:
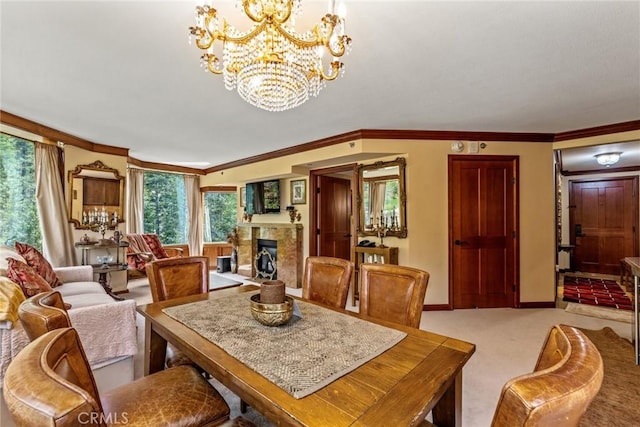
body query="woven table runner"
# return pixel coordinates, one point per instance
(300, 357)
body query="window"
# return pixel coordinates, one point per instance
(220, 213)
(18, 212)
(165, 207)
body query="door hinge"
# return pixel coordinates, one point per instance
(514, 287)
(318, 190)
(318, 231)
(513, 179)
(513, 234)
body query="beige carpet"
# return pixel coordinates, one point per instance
(625, 316)
(618, 402)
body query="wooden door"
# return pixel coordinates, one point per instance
(483, 246)
(603, 217)
(334, 217)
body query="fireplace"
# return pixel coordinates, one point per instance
(266, 259)
(288, 242)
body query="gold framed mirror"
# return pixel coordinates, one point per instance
(96, 196)
(382, 199)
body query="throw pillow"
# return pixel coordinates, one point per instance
(38, 262)
(6, 252)
(11, 297)
(28, 279)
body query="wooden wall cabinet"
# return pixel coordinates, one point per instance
(375, 255)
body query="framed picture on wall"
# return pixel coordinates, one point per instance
(299, 192)
(243, 197)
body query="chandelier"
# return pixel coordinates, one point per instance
(607, 159)
(272, 66)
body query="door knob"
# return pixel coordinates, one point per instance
(460, 242)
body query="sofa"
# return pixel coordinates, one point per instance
(107, 328)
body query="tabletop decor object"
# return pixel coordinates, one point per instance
(271, 314)
(272, 292)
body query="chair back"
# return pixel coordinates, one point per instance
(392, 292)
(42, 313)
(49, 383)
(178, 277)
(326, 280)
(567, 377)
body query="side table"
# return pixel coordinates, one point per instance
(102, 271)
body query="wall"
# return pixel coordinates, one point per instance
(427, 221)
(426, 246)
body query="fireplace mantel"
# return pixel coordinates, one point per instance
(289, 249)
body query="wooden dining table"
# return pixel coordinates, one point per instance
(420, 374)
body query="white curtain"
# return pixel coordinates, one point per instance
(195, 213)
(379, 189)
(57, 237)
(135, 201)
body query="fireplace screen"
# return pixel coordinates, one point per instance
(266, 259)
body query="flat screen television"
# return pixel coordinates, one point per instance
(263, 197)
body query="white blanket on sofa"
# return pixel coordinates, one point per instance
(107, 331)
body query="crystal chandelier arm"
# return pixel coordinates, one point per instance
(336, 66)
(211, 61)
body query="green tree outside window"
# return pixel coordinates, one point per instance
(220, 215)
(165, 207)
(18, 211)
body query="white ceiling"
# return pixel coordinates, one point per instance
(122, 73)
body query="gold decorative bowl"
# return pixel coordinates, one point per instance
(271, 314)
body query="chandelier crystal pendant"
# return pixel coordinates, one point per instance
(272, 66)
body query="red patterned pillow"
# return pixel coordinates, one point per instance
(25, 276)
(153, 241)
(36, 261)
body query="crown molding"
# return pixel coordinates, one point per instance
(393, 134)
(56, 135)
(598, 130)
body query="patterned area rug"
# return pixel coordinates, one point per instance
(594, 291)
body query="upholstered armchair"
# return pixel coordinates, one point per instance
(144, 248)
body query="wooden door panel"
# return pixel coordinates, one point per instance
(602, 223)
(482, 212)
(334, 219)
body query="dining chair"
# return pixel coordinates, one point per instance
(60, 390)
(392, 292)
(566, 378)
(177, 277)
(326, 280)
(42, 313)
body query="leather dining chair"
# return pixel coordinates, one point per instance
(392, 292)
(326, 280)
(60, 390)
(171, 278)
(42, 313)
(566, 378)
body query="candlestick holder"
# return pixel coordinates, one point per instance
(382, 233)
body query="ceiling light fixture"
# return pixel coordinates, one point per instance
(607, 159)
(272, 66)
